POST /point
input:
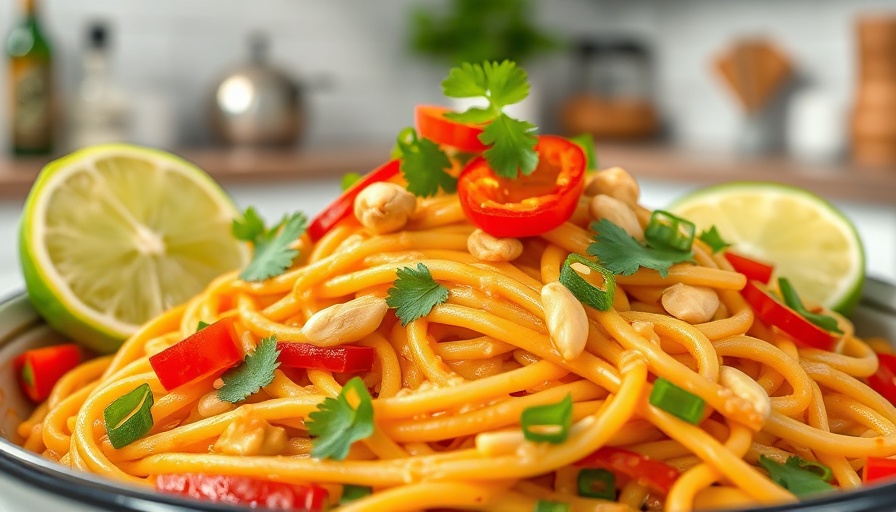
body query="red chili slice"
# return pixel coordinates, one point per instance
(210, 350)
(754, 270)
(884, 380)
(343, 205)
(655, 474)
(40, 369)
(240, 490)
(878, 468)
(773, 313)
(528, 205)
(433, 125)
(342, 359)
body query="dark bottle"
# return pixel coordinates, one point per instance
(30, 85)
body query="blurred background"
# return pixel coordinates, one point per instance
(278, 98)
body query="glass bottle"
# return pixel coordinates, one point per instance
(30, 84)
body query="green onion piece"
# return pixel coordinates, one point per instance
(201, 325)
(349, 179)
(668, 231)
(548, 423)
(124, 427)
(591, 283)
(792, 299)
(676, 401)
(28, 373)
(586, 142)
(354, 492)
(818, 468)
(597, 483)
(550, 506)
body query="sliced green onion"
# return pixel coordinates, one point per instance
(597, 483)
(676, 401)
(28, 373)
(129, 418)
(792, 299)
(668, 231)
(201, 325)
(354, 492)
(818, 468)
(591, 283)
(548, 423)
(349, 179)
(550, 506)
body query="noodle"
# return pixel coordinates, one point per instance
(449, 387)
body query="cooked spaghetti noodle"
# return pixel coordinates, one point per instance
(449, 388)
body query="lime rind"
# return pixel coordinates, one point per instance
(62, 285)
(829, 269)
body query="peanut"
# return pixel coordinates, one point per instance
(615, 182)
(693, 304)
(618, 212)
(249, 436)
(485, 247)
(384, 207)
(566, 320)
(346, 322)
(746, 388)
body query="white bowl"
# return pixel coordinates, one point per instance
(28, 481)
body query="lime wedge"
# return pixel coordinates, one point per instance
(809, 240)
(114, 235)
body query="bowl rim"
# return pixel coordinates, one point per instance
(94, 490)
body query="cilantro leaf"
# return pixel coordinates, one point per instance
(423, 164)
(249, 227)
(621, 253)
(512, 146)
(255, 372)
(713, 239)
(272, 254)
(415, 293)
(795, 475)
(501, 84)
(336, 424)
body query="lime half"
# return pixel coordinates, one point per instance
(114, 235)
(811, 243)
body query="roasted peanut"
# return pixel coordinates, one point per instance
(485, 247)
(346, 322)
(210, 405)
(746, 388)
(607, 207)
(615, 182)
(566, 320)
(384, 207)
(249, 436)
(693, 304)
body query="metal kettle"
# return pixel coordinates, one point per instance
(258, 104)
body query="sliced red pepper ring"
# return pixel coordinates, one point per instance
(342, 207)
(342, 359)
(241, 490)
(527, 205)
(433, 125)
(40, 369)
(654, 474)
(773, 313)
(209, 350)
(884, 380)
(754, 270)
(878, 468)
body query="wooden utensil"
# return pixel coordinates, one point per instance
(754, 69)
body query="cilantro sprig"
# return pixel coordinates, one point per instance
(255, 372)
(512, 141)
(713, 239)
(424, 165)
(272, 254)
(620, 253)
(799, 476)
(339, 422)
(415, 293)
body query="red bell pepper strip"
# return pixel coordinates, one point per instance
(773, 313)
(433, 125)
(878, 468)
(753, 270)
(527, 205)
(342, 359)
(656, 475)
(884, 380)
(208, 351)
(40, 369)
(251, 492)
(342, 207)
